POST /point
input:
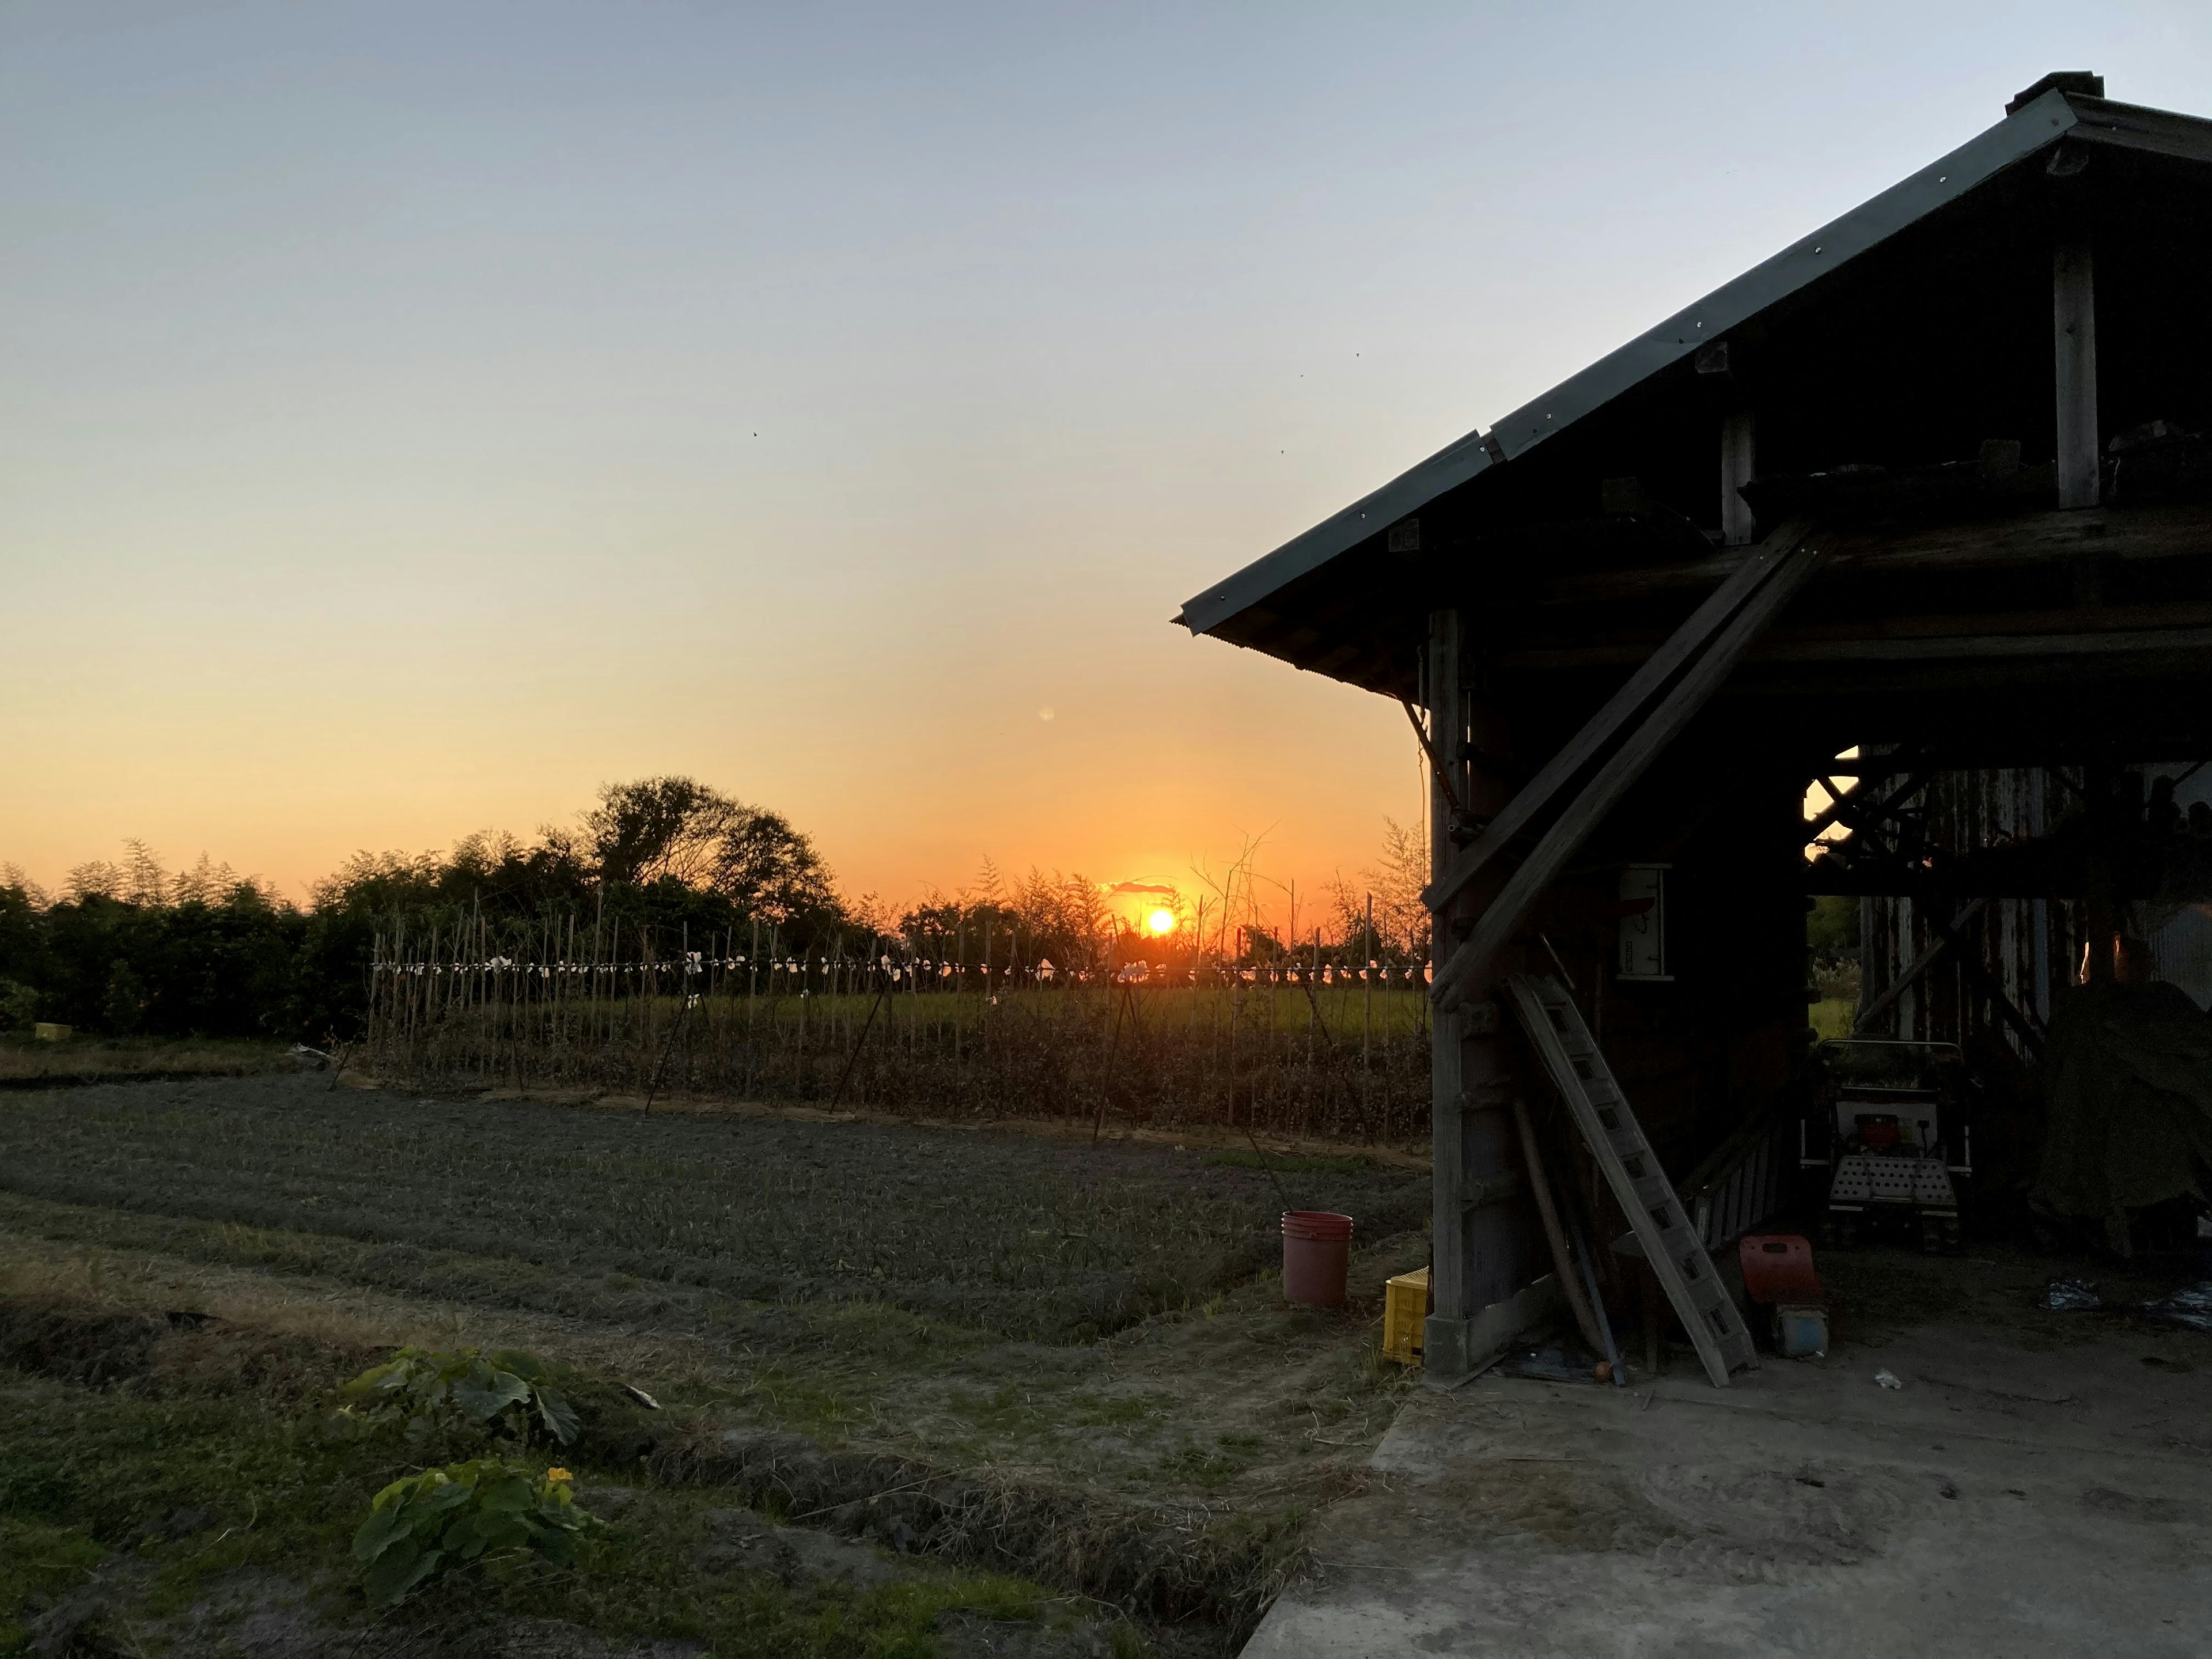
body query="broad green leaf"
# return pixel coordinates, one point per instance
(558, 1416)
(485, 1393)
(557, 1548)
(450, 1496)
(497, 1532)
(527, 1366)
(379, 1532)
(510, 1496)
(390, 1374)
(395, 1493)
(399, 1570)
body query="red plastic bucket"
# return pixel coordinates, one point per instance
(1316, 1251)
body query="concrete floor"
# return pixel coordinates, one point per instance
(2022, 1494)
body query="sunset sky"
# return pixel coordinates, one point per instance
(416, 415)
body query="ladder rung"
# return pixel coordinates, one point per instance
(1661, 1224)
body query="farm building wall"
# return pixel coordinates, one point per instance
(1724, 1034)
(2028, 945)
(2031, 946)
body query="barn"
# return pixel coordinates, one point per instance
(1915, 518)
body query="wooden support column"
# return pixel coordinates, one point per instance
(1482, 1256)
(1443, 1339)
(2074, 337)
(1739, 462)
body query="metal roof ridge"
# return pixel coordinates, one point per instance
(2033, 127)
(1811, 257)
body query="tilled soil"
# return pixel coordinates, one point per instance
(1069, 1364)
(1015, 1234)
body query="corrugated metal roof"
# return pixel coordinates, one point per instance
(2033, 127)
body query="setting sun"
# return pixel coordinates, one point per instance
(1161, 921)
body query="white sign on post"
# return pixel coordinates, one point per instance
(1644, 923)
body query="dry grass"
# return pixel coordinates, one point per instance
(26, 1061)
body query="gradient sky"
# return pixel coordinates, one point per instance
(415, 416)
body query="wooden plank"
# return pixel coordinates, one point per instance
(1603, 727)
(2074, 619)
(1991, 641)
(2127, 535)
(2073, 343)
(1945, 939)
(1739, 460)
(2130, 642)
(1447, 1144)
(1627, 763)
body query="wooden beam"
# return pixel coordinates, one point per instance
(1444, 1336)
(2117, 643)
(2125, 535)
(1900, 640)
(1945, 938)
(1436, 765)
(1602, 727)
(1460, 975)
(1739, 460)
(1850, 806)
(2074, 340)
(1952, 939)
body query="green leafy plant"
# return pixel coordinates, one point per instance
(443, 1519)
(504, 1393)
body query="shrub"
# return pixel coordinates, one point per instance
(443, 1519)
(19, 1006)
(504, 1394)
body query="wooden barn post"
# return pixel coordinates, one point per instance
(2074, 339)
(1480, 1255)
(1445, 1348)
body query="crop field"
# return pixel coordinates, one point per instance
(1087, 1342)
(1299, 1051)
(1016, 1234)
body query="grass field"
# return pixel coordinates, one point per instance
(1090, 1339)
(25, 1061)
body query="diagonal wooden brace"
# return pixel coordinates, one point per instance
(1708, 671)
(1625, 704)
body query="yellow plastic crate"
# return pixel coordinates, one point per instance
(1405, 1306)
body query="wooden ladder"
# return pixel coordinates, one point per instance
(1646, 1196)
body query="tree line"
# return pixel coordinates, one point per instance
(132, 948)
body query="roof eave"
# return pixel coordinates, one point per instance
(2032, 128)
